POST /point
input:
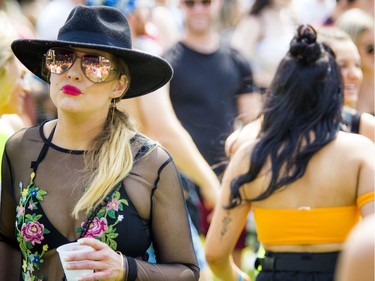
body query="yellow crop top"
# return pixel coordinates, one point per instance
(308, 226)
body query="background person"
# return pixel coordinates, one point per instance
(12, 84)
(360, 27)
(212, 88)
(263, 36)
(356, 262)
(349, 61)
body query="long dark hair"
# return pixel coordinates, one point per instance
(301, 114)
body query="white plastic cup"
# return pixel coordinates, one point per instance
(65, 251)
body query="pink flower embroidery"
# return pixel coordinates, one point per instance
(33, 232)
(31, 206)
(113, 205)
(97, 227)
(20, 211)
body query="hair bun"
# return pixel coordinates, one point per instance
(304, 46)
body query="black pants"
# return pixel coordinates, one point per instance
(295, 276)
(297, 266)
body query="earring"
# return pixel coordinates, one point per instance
(113, 106)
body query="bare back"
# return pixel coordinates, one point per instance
(335, 177)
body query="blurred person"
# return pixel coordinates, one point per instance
(12, 85)
(212, 86)
(156, 119)
(349, 61)
(88, 176)
(360, 27)
(356, 262)
(20, 22)
(343, 5)
(31, 9)
(307, 192)
(313, 11)
(263, 36)
(230, 15)
(139, 15)
(53, 16)
(167, 19)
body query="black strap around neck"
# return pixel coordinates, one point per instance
(43, 152)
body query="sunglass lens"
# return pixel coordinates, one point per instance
(189, 3)
(206, 2)
(370, 49)
(96, 68)
(59, 60)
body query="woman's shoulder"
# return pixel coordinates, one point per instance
(143, 146)
(25, 135)
(241, 157)
(359, 146)
(352, 140)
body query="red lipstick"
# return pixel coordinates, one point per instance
(70, 90)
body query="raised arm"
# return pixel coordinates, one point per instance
(159, 121)
(226, 227)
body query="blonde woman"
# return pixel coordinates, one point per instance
(88, 175)
(360, 27)
(12, 88)
(350, 62)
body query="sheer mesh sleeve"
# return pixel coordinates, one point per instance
(153, 188)
(169, 225)
(10, 256)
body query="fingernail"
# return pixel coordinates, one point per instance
(67, 266)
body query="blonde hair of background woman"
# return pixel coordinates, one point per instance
(7, 35)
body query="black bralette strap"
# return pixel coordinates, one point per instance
(43, 152)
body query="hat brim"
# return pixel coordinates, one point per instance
(147, 72)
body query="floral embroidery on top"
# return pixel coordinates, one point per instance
(99, 227)
(30, 231)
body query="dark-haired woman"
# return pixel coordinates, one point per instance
(307, 192)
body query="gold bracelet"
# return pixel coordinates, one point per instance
(122, 265)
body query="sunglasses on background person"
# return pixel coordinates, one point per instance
(370, 49)
(96, 68)
(192, 3)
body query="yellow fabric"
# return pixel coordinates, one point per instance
(364, 199)
(4, 136)
(299, 227)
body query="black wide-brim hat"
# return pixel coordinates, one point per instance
(99, 28)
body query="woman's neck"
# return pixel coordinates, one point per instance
(74, 134)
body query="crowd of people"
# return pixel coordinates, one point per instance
(169, 135)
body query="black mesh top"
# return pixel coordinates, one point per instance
(37, 199)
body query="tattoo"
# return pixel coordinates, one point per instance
(225, 222)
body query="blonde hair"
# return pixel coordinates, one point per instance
(330, 35)
(354, 22)
(7, 35)
(108, 162)
(110, 158)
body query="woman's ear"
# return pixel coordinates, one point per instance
(121, 86)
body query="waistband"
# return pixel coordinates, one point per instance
(300, 262)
